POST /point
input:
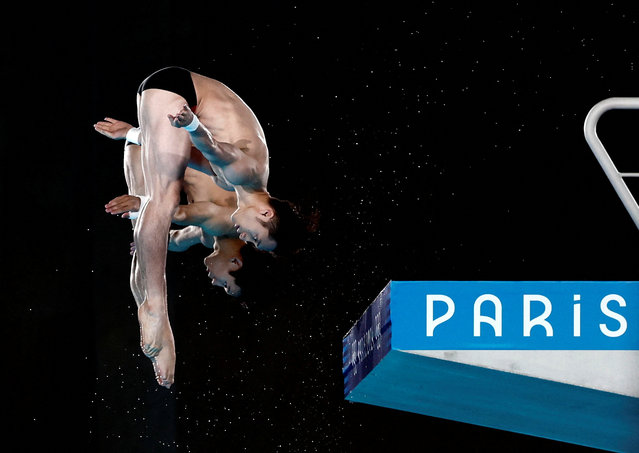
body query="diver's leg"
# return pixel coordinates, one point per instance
(134, 177)
(165, 155)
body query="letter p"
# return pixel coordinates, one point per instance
(432, 323)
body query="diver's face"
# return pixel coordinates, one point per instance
(219, 268)
(250, 229)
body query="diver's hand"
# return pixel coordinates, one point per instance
(182, 118)
(112, 128)
(123, 205)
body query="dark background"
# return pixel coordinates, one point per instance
(441, 141)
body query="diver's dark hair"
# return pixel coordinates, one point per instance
(289, 228)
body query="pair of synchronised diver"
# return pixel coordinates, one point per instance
(195, 136)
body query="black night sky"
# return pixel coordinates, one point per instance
(442, 141)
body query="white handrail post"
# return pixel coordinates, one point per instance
(590, 132)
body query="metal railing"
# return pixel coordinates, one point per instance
(616, 178)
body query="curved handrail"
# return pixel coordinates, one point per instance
(616, 178)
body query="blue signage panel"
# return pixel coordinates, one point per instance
(545, 315)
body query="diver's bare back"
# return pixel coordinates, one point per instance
(229, 119)
(200, 187)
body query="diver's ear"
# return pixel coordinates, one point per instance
(236, 264)
(267, 213)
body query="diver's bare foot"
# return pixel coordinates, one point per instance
(156, 341)
(164, 365)
(153, 323)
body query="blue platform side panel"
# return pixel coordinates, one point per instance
(368, 341)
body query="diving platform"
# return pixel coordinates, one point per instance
(558, 360)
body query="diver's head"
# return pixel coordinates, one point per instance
(275, 226)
